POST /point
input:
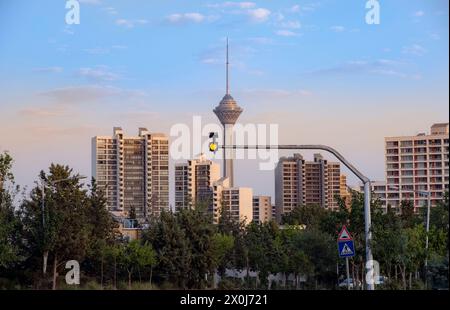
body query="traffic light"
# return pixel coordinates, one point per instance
(213, 146)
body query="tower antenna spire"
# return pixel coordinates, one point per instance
(228, 75)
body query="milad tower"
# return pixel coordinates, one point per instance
(228, 112)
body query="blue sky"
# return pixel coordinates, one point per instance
(314, 67)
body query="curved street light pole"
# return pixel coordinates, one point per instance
(367, 193)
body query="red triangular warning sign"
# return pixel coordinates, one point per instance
(344, 234)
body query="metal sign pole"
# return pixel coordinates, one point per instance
(348, 273)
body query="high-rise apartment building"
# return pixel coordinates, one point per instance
(133, 172)
(235, 202)
(378, 190)
(194, 182)
(344, 191)
(300, 182)
(333, 183)
(262, 209)
(416, 164)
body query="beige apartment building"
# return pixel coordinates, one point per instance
(416, 164)
(133, 171)
(344, 190)
(236, 202)
(378, 190)
(262, 209)
(194, 182)
(300, 182)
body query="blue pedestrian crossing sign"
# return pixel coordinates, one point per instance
(346, 248)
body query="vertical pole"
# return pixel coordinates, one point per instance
(348, 273)
(225, 150)
(45, 254)
(228, 74)
(42, 204)
(426, 240)
(368, 231)
(337, 271)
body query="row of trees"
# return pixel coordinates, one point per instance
(185, 250)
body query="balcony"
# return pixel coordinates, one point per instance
(391, 144)
(420, 150)
(434, 142)
(420, 142)
(392, 159)
(435, 157)
(392, 167)
(406, 158)
(434, 150)
(406, 143)
(407, 151)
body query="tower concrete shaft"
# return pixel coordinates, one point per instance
(228, 112)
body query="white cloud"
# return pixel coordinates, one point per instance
(76, 94)
(211, 61)
(386, 67)
(414, 49)
(291, 24)
(97, 51)
(68, 30)
(141, 21)
(130, 23)
(49, 69)
(275, 92)
(259, 15)
(90, 1)
(81, 130)
(435, 36)
(104, 50)
(125, 23)
(261, 40)
(256, 14)
(299, 9)
(110, 10)
(286, 33)
(186, 17)
(396, 74)
(99, 74)
(337, 28)
(229, 4)
(295, 8)
(90, 93)
(119, 47)
(42, 112)
(278, 16)
(419, 14)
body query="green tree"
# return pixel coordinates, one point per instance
(310, 215)
(294, 260)
(64, 233)
(113, 253)
(320, 250)
(222, 245)
(263, 249)
(102, 230)
(238, 256)
(172, 249)
(10, 225)
(198, 230)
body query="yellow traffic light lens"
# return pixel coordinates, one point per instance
(213, 147)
